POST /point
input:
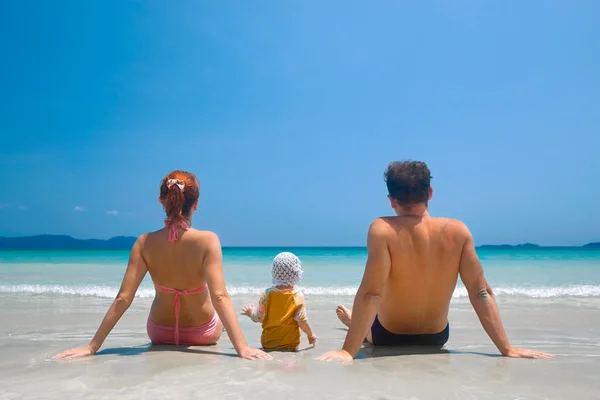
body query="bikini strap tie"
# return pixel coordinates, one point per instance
(177, 302)
(173, 232)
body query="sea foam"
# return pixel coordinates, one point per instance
(148, 292)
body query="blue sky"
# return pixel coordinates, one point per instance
(289, 112)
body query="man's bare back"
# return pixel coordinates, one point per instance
(425, 257)
(424, 254)
(412, 267)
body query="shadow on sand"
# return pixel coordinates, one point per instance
(147, 348)
(370, 351)
(309, 347)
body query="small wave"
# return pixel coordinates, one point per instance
(84, 291)
(148, 292)
(546, 292)
(307, 290)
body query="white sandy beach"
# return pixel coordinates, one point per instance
(127, 367)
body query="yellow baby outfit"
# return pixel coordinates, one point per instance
(280, 311)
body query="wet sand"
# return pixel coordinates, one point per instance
(35, 327)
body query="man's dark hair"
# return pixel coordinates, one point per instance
(408, 182)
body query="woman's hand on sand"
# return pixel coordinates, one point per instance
(526, 353)
(254, 354)
(312, 340)
(82, 351)
(341, 355)
(248, 310)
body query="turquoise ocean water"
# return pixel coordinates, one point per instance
(543, 273)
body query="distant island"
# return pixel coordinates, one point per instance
(531, 246)
(64, 242)
(527, 246)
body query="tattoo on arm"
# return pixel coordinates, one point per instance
(483, 295)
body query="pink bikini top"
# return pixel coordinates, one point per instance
(177, 301)
(173, 236)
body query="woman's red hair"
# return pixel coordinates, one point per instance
(178, 203)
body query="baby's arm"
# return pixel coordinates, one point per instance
(305, 326)
(303, 320)
(255, 313)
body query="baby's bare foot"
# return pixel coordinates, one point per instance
(344, 315)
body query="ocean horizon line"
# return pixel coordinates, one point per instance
(66, 242)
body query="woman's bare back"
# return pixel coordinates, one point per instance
(178, 265)
(186, 268)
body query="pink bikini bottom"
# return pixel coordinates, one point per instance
(193, 336)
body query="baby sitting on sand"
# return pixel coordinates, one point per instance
(281, 308)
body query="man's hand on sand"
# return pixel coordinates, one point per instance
(526, 353)
(341, 355)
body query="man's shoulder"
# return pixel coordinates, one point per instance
(389, 221)
(452, 225)
(387, 225)
(381, 226)
(381, 221)
(450, 222)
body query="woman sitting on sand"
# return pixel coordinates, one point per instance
(186, 266)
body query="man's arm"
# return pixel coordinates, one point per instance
(366, 302)
(484, 302)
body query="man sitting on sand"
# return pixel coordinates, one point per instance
(413, 264)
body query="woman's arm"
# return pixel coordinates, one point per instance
(213, 270)
(136, 270)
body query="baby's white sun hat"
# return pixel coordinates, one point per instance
(286, 269)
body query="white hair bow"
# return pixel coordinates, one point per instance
(177, 182)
